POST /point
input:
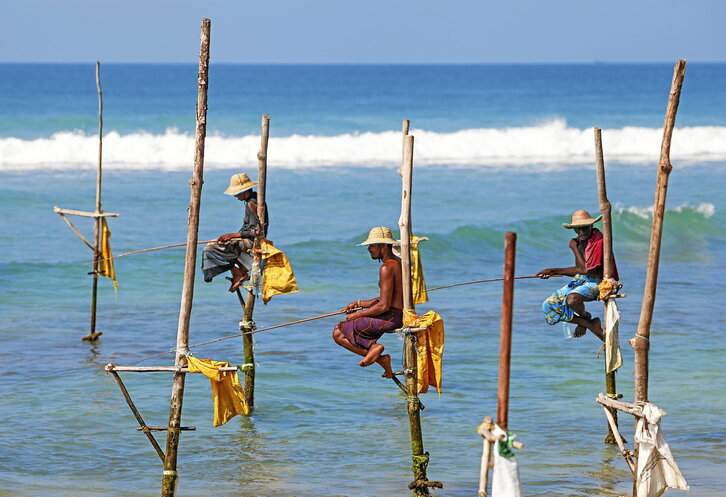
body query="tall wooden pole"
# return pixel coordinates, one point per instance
(641, 341)
(92, 335)
(420, 459)
(246, 325)
(169, 479)
(505, 336)
(608, 263)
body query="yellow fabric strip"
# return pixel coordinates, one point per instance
(429, 348)
(418, 282)
(227, 393)
(105, 265)
(277, 276)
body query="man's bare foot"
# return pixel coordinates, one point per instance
(238, 276)
(580, 330)
(385, 362)
(374, 353)
(596, 329)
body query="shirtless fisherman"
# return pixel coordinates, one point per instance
(568, 303)
(226, 254)
(368, 320)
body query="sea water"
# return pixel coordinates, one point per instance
(498, 148)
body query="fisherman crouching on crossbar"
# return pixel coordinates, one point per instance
(368, 320)
(568, 303)
(231, 251)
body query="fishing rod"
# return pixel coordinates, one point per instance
(248, 333)
(305, 320)
(159, 248)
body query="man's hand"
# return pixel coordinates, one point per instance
(351, 316)
(546, 273)
(352, 307)
(226, 238)
(574, 244)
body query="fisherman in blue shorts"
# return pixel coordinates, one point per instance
(568, 303)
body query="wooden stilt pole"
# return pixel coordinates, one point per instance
(146, 429)
(420, 459)
(246, 324)
(93, 335)
(505, 337)
(485, 458)
(169, 479)
(641, 341)
(608, 264)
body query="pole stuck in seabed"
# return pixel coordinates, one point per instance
(490, 432)
(170, 477)
(608, 263)
(247, 324)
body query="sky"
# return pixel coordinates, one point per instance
(370, 31)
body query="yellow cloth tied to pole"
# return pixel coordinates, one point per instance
(105, 264)
(429, 348)
(277, 276)
(418, 283)
(228, 395)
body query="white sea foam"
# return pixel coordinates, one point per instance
(705, 209)
(552, 144)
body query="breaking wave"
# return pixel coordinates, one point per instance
(552, 144)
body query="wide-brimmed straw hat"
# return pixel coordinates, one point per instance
(379, 234)
(581, 218)
(239, 183)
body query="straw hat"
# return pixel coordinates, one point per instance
(581, 218)
(239, 183)
(379, 234)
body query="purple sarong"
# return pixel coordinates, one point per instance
(365, 331)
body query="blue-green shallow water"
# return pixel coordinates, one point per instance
(324, 427)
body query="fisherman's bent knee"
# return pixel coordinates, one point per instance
(337, 334)
(576, 298)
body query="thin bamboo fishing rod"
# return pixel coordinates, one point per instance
(247, 333)
(159, 248)
(305, 320)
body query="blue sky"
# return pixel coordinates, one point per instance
(370, 31)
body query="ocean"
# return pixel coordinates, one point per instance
(498, 148)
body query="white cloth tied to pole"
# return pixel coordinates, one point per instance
(657, 469)
(613, 357)
(505, 480)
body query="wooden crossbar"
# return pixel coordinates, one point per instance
(72, 212)
(627, 407)
(165, 428)
(156, 369)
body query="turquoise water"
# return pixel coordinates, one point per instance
(323, 426)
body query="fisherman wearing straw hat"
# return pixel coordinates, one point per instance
(568, 303)
(368, 320)
(231, 251)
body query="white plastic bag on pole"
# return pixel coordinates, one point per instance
(657, 469)
(505, 481)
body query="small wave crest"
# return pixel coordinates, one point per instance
(552, 143)
(704, 210)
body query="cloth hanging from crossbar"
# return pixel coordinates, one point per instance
(657, 469)
(105, 264)
(429, 348)
(227, 393)
(613, 357)
(277, 274)
(418, 282)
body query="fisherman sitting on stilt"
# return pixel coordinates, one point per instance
(568, 303)
(231, 250)
(368, 320)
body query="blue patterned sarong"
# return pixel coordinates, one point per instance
(555, 308)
